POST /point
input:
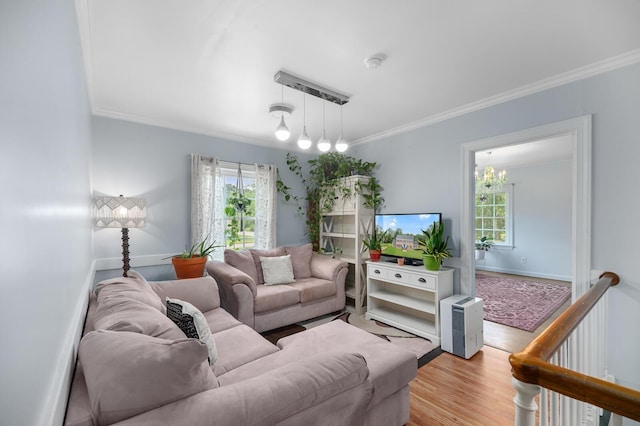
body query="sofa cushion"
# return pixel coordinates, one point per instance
(219, 319)
(257, 254)
(277, 270)
(200, 292)
(301, 260)
(137, 317)
(275, 297)
(242, 260)
(135, 287)
(193, 323)
(312, 289)
(130, 373)
(238, 346)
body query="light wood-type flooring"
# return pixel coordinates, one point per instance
(453, 391)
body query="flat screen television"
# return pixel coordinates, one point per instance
(402, 230)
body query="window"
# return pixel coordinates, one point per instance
(494, 216)
(239, 209)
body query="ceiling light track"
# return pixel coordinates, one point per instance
(309, 88)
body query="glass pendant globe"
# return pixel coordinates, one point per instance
(341, 144)
(282, 131)
(304, 141)
(324, 144)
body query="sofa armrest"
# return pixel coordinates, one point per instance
(200, 292)
(326, 267)
(228, 276)
(274, 396)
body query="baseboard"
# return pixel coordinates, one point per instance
(56, 405)
(525, 273)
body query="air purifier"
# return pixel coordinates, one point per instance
(461, 322)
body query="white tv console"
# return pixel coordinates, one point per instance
(408, 297)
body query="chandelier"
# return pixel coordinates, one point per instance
(308, 88)
(489, 181)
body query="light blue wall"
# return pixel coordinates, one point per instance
(542, 223)
(154, 163)
(45, 247)
(422, 170)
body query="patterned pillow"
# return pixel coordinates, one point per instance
(277, 270)
(193, 323)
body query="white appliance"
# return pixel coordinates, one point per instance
(461, 322)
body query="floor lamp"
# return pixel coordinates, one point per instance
(120, 212)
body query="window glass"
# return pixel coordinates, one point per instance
(493, 216)
(240, 209)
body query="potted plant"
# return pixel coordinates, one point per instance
(191, 263)
(434, 246)
(482, 246)
(373, 243)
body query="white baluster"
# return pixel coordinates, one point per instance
(525, 402)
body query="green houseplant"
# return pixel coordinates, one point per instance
(373, 243)
(191, 263)
(324, 183)
(482, 246)
(434, 246)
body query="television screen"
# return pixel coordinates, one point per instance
(401, 232)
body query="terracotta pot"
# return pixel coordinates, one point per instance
(190, 267)
(374, 255)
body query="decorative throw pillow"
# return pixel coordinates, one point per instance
(277, 270)
(258, 253)
(193, 323)
(301, 260)
(129, 373)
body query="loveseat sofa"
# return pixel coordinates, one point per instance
(137, 367)
(318, 288)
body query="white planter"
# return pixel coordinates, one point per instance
(480, 254)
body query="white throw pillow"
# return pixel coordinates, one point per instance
(193, 324)
(277, 270)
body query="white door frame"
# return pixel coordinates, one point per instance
(580, 130)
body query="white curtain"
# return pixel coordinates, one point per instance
(266, 202)
(207, 202)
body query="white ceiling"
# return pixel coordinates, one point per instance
(207, 66)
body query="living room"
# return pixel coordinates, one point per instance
(58, 155)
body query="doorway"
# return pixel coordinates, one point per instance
(578, 130)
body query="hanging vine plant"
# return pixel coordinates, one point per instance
(324, 182)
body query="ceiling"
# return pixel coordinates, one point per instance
(208, 66)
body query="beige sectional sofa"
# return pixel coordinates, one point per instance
(137, 367)
(318, 288)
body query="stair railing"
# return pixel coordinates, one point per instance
(532, 369)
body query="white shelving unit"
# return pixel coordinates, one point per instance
(341, 233)
(408, 297)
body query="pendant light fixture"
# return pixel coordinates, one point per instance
(490, 181)
(282, 131)
(341, 144)
(324, 144)
(304, 141)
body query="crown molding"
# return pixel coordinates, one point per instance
(591, 70)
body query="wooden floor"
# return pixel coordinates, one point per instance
(453, 391)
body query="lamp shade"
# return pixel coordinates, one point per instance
(119, 212)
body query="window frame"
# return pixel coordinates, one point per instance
(228, 170)
(509, 230)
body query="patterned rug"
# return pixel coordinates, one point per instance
(523, 304)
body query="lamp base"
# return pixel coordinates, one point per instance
(125, 251)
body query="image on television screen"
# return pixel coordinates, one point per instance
(401, 232)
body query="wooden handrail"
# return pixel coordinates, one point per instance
(531, 364)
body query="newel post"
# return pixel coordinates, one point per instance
(525, 401)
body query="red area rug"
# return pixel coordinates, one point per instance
(523, 304)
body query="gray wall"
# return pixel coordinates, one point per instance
(151, 162)
(422, 170)
(44, 212)
(542, 223)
